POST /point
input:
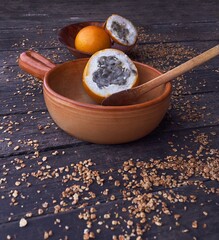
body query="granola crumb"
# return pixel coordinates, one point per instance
(195, 224)
(22, 222)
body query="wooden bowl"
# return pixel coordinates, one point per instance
(77, 114)
(68, 33)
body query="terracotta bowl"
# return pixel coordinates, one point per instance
(77, 114)
(68, 33)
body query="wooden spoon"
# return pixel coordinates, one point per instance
(134, 95)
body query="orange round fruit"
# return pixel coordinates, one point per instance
(91, 39)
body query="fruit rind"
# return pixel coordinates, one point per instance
(131, 35)
(98, 94)
(88, 42)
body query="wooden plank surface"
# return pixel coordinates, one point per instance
(163, 186)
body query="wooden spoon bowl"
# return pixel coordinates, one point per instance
(68, 33)
(77, 114)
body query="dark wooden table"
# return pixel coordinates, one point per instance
(164, 186)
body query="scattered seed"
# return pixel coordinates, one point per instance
(195, 224)
(23, 222)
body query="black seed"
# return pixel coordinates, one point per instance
(110, 71)
(121, 30)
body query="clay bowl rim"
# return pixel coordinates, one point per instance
(70, 102)
(75, 51)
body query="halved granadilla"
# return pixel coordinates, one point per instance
(121, 30)
(109, 71)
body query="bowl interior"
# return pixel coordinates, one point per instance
(68, 33)
(66, 81)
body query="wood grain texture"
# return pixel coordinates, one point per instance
(171, 32)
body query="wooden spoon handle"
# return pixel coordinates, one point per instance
(35, 64)
(175, 72)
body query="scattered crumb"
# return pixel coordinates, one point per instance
(23, 222)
